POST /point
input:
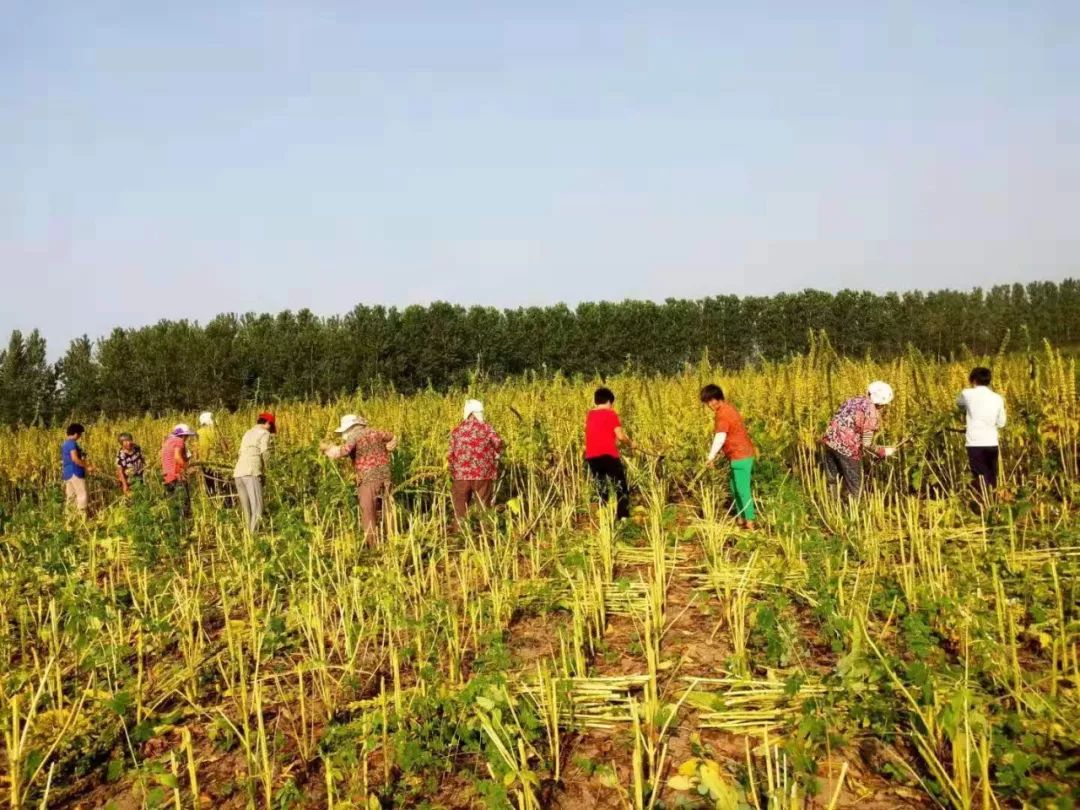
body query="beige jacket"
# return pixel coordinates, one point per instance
(254, 450)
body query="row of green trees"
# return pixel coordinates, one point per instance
(181, 365)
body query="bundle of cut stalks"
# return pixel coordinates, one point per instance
(1018, 560)
(724, 578)
(748, 706)
(621, 598)
(626, 598)
(600, 703)
(645, 555)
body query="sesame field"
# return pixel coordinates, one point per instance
(917, 648)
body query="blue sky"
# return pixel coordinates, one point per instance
(183, 160)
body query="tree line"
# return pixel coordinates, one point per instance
(261, 358)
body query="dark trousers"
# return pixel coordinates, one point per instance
(609, 473)
(845, 469)
(984, 467)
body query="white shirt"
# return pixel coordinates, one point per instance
(985, 410)
(254, 448)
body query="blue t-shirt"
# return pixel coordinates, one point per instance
(71, 469)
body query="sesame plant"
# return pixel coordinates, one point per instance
(918, 647)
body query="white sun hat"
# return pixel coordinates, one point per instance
(880, 393)
(349, 421)
(183, 430)
(474, 407)
(206, 418)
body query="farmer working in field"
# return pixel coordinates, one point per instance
(251, 468)
(130, 463)
(73, 468)
(851, 431)
(985, 412)
(475, 447)
(208, 452)
(174, 464)
(370, 451)
(731, 438)
(603, 434)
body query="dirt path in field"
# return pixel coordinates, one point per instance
(695, 644)
(596, 765)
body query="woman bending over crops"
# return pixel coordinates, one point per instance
(850, 432)
(475, 447)
(250, 470)
(174, 465)
(731, 438)
(129, 463)
(209, 452)
(370, 451)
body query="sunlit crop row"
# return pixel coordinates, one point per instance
(187, 664)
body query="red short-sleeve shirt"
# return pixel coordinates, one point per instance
(600, 427)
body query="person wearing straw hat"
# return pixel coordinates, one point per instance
(130, 463)
(251, 467)
(174, 463)
(475, 447)
(851, 431)
(369, 449)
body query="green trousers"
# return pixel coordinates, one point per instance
(741, 473)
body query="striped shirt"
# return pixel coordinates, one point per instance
(171, 469)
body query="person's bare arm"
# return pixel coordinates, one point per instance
(331, 450)
(622, 438)
(121, 476)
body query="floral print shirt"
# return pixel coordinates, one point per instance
(853, 427)
(367, 449)
(474, 451)
(131, 461)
